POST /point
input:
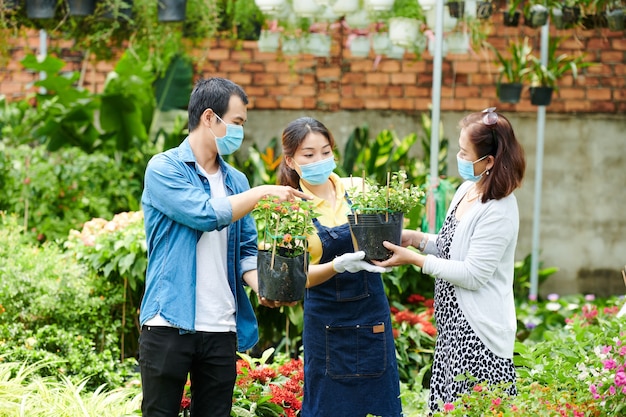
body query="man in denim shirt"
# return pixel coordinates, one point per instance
(202, 247)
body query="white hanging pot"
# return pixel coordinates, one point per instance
(305, 8)
(344, 7)
(403, 31)
(458, 43)
(396, 52)
(268, 41)
(270, 6)
(381, 43)
(290, 45)
(427, 4)
(379, 5)
(359, 19)
(444, 47)
(318, 44)
(360, 46)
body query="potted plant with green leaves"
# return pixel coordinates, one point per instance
(544, 78)
(615, 16)
(378, 213)
(283, 258)
(511, 14)
(513, 69)
(566, 14)
(404, 25)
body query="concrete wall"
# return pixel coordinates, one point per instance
(583, 198)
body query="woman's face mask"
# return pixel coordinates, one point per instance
(317, 173)
(466, 168)
(232, 139)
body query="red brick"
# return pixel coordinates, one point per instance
(404, 78)
(352, 103)
(402, 104)
(599, 94)
(265, 103)
(264, 79)
(377, 104)
(218, 54)
(331, 73)
(572, 93)
(304, 91)
(294, 103)
(230, 66)
(389, 65)
(243, 79)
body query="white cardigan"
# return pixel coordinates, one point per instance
(481, 268)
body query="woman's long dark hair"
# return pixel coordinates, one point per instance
(498, 140)
(293, 136)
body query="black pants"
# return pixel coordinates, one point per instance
(167, 357)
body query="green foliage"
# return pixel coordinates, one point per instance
(521, 281)
(54, 192)
(54, 310)
(514, 65)
(397, 195)
(284, 224)
(115, 250)
(407, 8)
(557, 66)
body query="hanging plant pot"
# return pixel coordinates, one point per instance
(81, 7)
(456, 9)
(509, 92)
(268, 41)
(345, 7)
(318, 44)
(282, 277)
(571, 14)
(537, 16)
(395, 52)
(593, 21)
(369, 231)
(124, 12)
(541, 96)
(381, 44)
(615, 19)
(360, 46)
(403, 31)
(484, 9)
(458, 43)
(359, 19)
(305, 8)
(290, 45)
(40, 9)
(511, 19)
(379, 5)
(271, 7)
(444, 47)
(10, 4)
(172, 10)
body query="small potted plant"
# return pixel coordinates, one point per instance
(283, 258)
(544, 78)
(378, 213)
(404, 26)
(513, 70)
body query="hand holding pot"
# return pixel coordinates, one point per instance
(353, 262)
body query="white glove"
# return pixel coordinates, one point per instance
(353, 262)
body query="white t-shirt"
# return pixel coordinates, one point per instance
(215, 303)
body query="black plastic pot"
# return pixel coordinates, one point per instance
(172, 10)
(509, 92)
(369, 231)
(484, 9)
(40, 9)
(456, 8)
(81, 7)
(537, 16)
(541, 96)
(511, 20)
(615, 19)
(571, 14)
(123, 13)
(285, 279)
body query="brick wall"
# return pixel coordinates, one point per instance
(342, 82)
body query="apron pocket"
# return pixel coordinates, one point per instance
(351, 287)
(356, 351)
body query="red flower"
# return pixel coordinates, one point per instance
(416, 299)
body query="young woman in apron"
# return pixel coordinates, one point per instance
(350, 367)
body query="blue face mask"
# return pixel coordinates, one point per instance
(317, 173)
(466, 169)
(231, 141)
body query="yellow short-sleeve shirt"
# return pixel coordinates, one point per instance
(327, 215)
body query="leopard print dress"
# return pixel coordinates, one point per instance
(458, 349)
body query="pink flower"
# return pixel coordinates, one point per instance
(496, 401)
(448, 407)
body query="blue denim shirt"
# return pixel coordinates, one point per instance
(178, 208)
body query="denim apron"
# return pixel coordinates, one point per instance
(350, 366)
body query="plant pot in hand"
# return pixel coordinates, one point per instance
(378, 213)
(282, 263)
(282, 278)
(369, 231)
